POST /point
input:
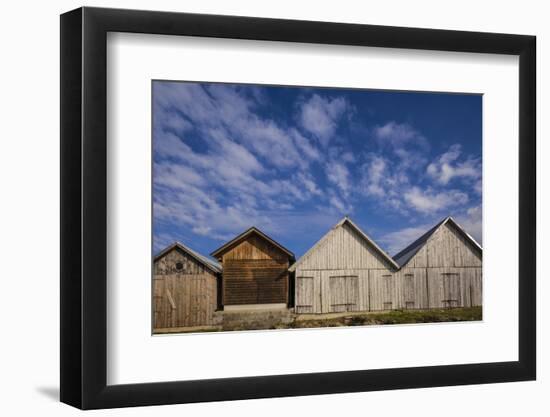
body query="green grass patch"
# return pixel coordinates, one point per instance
(394, 317)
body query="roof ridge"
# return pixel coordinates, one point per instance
(340, 223)
(419, 239)
(210, 263)
(413, 248)
(318, 244)
(245, 233)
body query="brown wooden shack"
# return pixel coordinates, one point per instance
(255, 271)
(185, 289)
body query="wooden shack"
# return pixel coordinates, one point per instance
(185, 289)
(255, 271)
(347, 271)
(334, 275)
(442, 268)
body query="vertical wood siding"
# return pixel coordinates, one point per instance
(305, 294)
(343, 249)
(168, 264)
(255, 247)
(184, 300)
(445, 272)
(185, 292)
(255, 272)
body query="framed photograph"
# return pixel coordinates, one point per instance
(256, 208)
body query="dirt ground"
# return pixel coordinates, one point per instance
(387, 317)
(307, 321)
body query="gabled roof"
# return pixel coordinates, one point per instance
(407, 254)
(253, 230)
(345, 220)
(207, 262)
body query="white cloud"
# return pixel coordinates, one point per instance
(400, 239)
(342, 208)
(222, 111)
(472, 222)
(308, 151)
(447, 167)
(174, 175)
(308, 182)
(376, 173)
(384, 181)
(478, 187)
(395, 132)
(320, 116)
(338, 174)
(230, 183)
(239, 156)
(396, 241)
(429, 201)
(162, 240)
(398, 135)
(222, 167)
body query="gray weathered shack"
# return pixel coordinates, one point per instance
(334, 275)
(446, 261)
(348, 271)
(185, 288)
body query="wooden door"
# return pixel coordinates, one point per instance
(304, 294)
(451, 290)
(388, 290)
(344, 293)
(409, 294)
(187, 300)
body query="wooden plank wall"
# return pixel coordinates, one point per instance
(378, 289)
(255, 281)
(255, 247)
(343, 248)
(255, 272)
(167, 264)
(424, 283)
(185, 292)
(184, 300)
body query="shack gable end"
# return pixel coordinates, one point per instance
(185, 289)
(254, 247)
(255, 270)
(447, 247)
(343, 248)
(176, 261)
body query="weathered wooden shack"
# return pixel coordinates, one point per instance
(185, 288)
(334, 275)
(347, 271)
(255, 271)
(447, 262)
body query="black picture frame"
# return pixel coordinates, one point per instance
(84, 207)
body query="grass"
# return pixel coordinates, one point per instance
(350, 319)
(392, 317)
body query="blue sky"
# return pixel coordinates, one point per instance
(293, 161)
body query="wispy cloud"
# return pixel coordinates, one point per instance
(448, 166)
(320, 116)
(400, 136)
(338, 174)
(400, 239)
(221, 166)
(227, 157)
(429, 201)
(472, 222)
